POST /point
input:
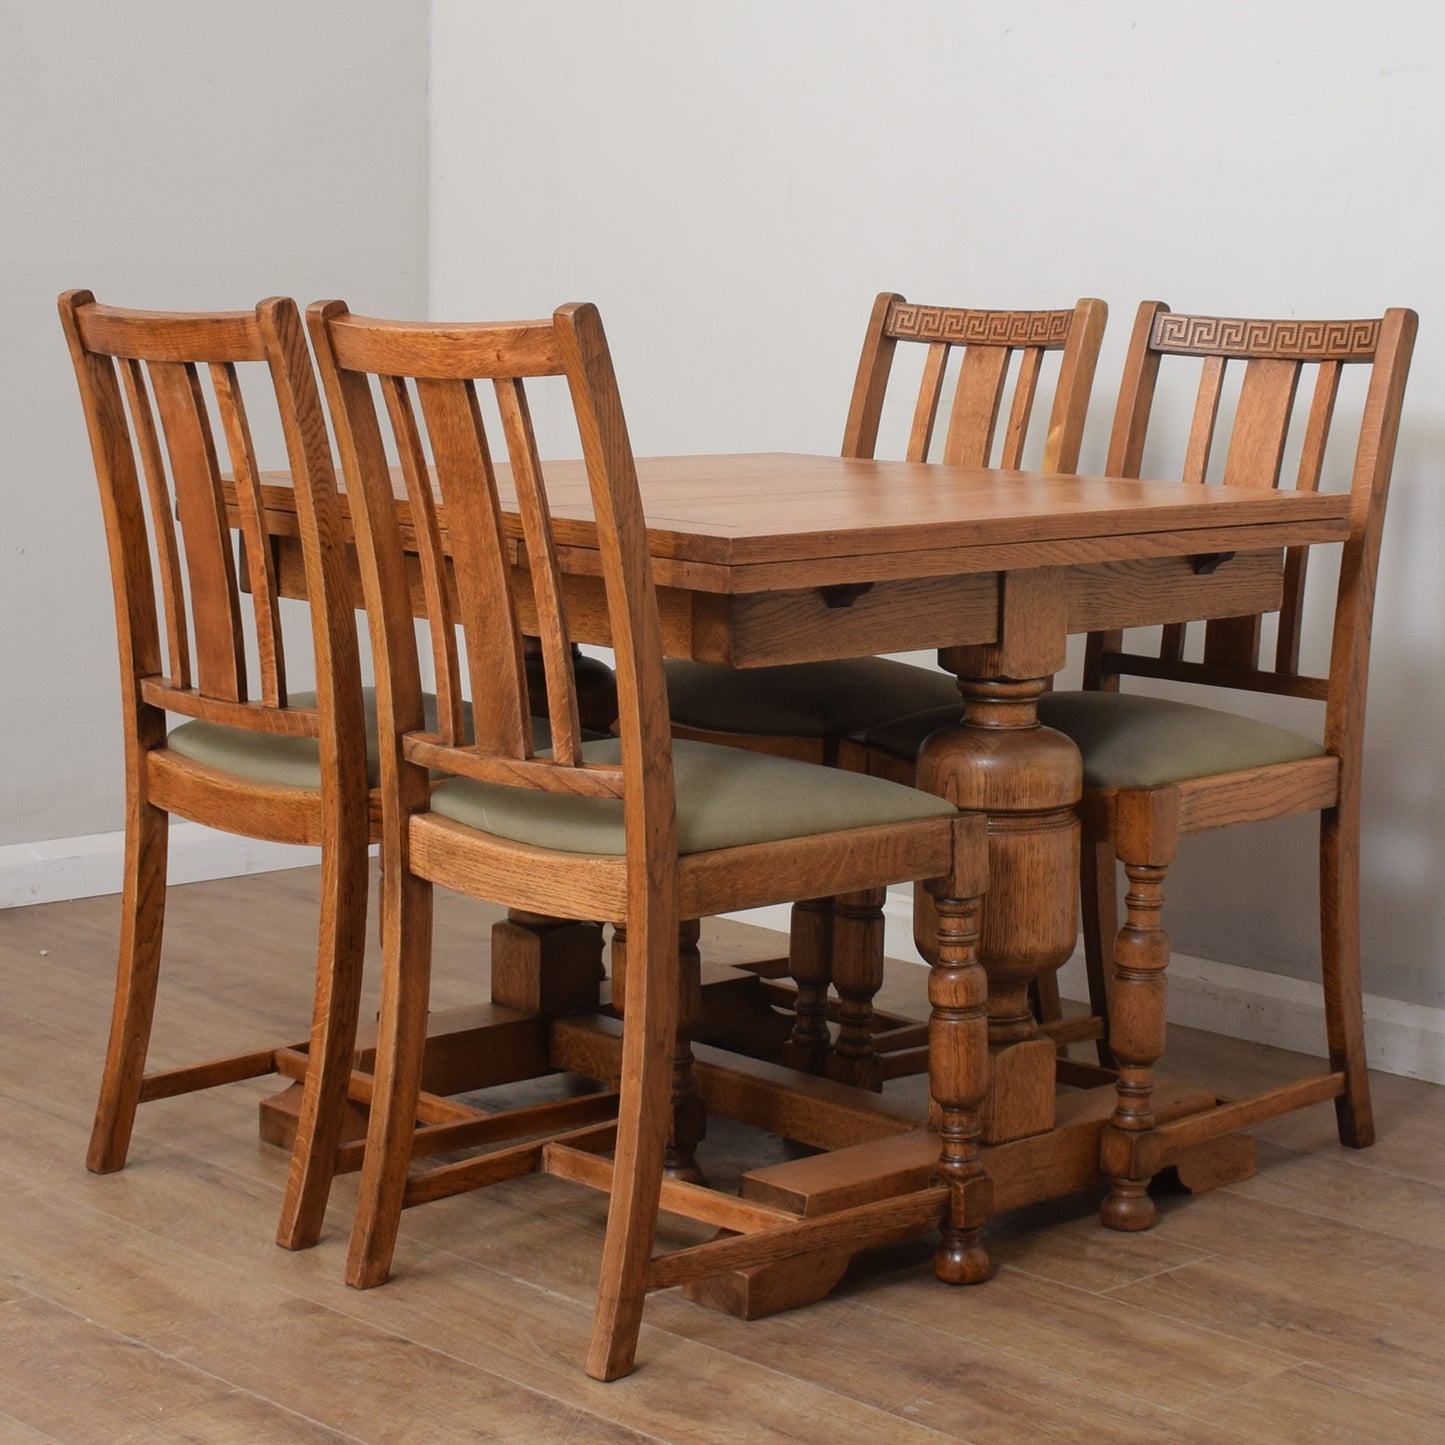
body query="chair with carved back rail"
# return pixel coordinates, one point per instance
(637, 829)
(806, 710)
(252, 758)
(1157, 769)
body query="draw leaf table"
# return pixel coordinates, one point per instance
(778, 558)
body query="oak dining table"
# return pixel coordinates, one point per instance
(763, 559)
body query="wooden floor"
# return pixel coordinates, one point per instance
(1307, 1304)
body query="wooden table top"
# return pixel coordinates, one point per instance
(757, 522)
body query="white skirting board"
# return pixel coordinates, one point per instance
(1266, 1008)
(85, 867)
(1223, 998)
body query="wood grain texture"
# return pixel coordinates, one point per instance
(210, 1331)
(140, 376)
(457, 518)
(1142, 825)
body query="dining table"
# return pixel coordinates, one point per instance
(773, 558)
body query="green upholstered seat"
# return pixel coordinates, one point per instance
(293, 762)
(803, 699)
(726, 797)
(1129, 741)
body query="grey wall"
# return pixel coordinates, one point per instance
(167, 153)
(732, 185)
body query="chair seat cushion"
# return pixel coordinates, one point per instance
(802, 699)
(1129, 741)
(294, 762)
(726, 797)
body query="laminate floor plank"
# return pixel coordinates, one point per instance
(74, 1380)
(1311, 1406)
(152, 1304)
(1354, 1333)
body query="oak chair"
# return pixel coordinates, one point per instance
(1157, 769)
(806, 710)
(252, 758)
(803, 709)
(635, 829)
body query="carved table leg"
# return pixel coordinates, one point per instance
(1026, 779)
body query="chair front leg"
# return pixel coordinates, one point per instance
(857, 977)
(810, 965)
(689, 1112)
(1141, 954)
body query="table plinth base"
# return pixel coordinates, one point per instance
(873, 1148)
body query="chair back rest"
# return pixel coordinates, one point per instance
(1275, 355)
(144, 380)
(989, 340)
(485, 576)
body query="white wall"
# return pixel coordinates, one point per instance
(166, 153)
(732, 184)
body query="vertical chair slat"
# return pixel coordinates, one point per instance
(925, 411)
(261, 571)
(485, 606)
(976, 400)
(1206, 414)
(556, 640)
(1025, 388)
(1256, 450)
(1275, 354)
(219, 650)
(1296, 559)
(163, 527)
(1261, 423)
(432, 560)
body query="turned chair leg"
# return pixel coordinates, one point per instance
(340, 951)
(810, 965)
(689, 1113)
(857, 977)
(1141, 954)
(143, 909)
(1340, 962)
(400, 1052)
(958, 1072)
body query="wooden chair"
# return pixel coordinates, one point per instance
(252, 759)
(610, 829)
(1156, 769)
(803, 709)
(807, 710)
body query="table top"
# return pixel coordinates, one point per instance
(762, 521)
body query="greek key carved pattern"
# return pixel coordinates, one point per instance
(1286, 340)
(987, 328)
